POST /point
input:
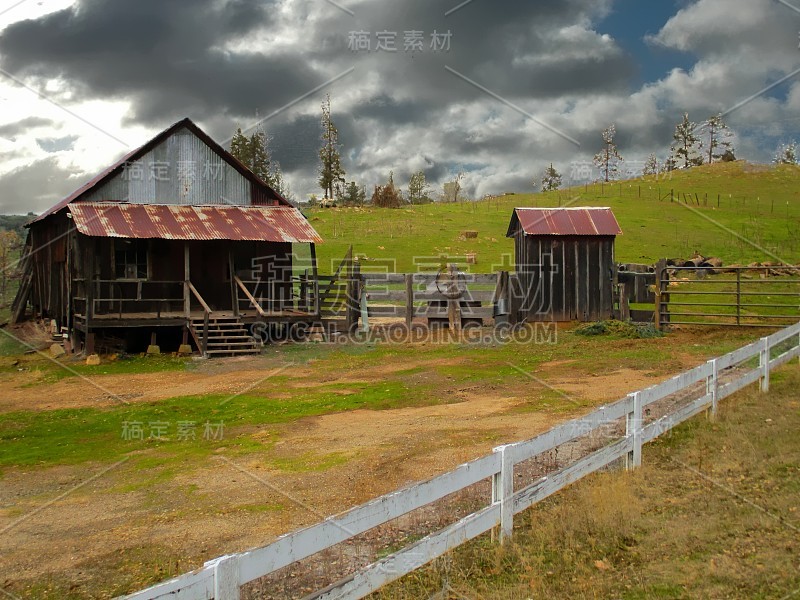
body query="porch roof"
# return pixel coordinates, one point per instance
(176, 222)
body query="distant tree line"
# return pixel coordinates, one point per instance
(693, 144)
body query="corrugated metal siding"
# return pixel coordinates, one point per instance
(162, 221)
(565, 221)
(181, 170)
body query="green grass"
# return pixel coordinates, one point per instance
(50, 371)
(758, 204)
(73, 436)
(70, 436)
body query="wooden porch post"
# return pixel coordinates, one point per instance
(315, 275)
(234, 291)
(187, 302)
(89, 282)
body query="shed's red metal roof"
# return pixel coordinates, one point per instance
(174, 222)
(564, 221)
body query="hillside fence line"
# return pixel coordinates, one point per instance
(700, 389)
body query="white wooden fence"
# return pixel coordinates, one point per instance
(222, 577)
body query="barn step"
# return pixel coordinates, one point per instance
(226, 336)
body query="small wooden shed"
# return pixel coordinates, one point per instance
(564, 263)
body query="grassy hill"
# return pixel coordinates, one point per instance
(746, 213)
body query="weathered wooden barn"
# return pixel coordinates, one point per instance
(177, 235)
(564, 263)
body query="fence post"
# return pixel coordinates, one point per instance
(764, 364)
(409, 300)
(503, 492)
(712, 387)
(633, 428)
(226, 577)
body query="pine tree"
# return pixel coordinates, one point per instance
(650, 165)
(254, 153)
(608, 159)
(240, 147)
(787, 155)
(260, 159)
(551, 180)
(279, 184)
(331, 173)
(687, 145)
(719, 139)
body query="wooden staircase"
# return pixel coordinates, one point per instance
(227, 336)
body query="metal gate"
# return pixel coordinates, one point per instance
(757, 296)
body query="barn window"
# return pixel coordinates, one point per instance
(130, 259)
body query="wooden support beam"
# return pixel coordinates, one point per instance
(187, 298)
(234, 292)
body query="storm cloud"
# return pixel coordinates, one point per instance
(517, 86)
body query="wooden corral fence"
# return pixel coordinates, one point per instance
(698, 390)
(730, 297)
(636, 287)
(448, 297)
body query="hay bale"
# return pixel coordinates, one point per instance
(469, 234)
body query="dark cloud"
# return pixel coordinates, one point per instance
(396, 111)
(11, 130)
(166, 57)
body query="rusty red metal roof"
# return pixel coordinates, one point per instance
(564, 221)
(174, 222)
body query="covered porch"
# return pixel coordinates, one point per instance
(237, 265)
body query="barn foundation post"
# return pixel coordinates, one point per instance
(89, 343)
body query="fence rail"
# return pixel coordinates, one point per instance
(222, 578)
(736, 300)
